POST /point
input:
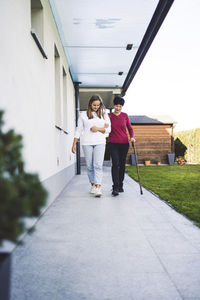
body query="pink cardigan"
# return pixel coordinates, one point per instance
(119, 124)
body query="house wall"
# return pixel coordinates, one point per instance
(152, 141)
(27, 93)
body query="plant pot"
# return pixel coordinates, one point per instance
(147, 162)
(171, 158)
(158, 163)
(5, 271)
(133, 159)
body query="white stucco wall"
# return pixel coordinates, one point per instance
(27, 92)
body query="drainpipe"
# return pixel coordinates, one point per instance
(77, 101)
(172, 140)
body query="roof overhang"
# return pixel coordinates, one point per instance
(106, 41)
(151, 120)
(107, 94)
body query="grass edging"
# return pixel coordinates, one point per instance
(177, 186)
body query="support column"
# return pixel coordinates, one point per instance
(77, 101)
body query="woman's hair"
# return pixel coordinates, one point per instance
(118, 100)
(100, 112)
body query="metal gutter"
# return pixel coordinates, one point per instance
(156, 21)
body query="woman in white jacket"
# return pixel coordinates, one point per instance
(93, 125)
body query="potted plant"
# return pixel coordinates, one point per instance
(158, 161)
(181, 160)
(21, 196)
(147, 161)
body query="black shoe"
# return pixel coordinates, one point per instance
(121, 190)
(115, 193)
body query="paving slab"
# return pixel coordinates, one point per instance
(129, 247)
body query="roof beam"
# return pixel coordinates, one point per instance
(156, 21)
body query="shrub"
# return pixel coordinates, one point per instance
(157, 159)
(180, 148)
(191, 140)
(21, 193)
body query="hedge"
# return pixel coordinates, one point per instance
(191, 140)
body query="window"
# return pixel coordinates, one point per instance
(37, 19)
(37, 26)
(65, 119)
(57, 89)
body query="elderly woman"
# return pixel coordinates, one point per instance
(119, 143)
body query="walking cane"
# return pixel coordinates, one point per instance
(136, 160)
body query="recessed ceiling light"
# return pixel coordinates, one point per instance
(129, 46)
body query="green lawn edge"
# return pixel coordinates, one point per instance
(178, 186)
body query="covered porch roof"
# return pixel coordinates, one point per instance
(106, 41)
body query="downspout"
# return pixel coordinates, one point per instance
(77, 102)
(172, 140)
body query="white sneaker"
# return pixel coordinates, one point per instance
(93, 189)
(98, 192)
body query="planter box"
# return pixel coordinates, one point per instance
(133, 159)
(5, 272)
(171, 158)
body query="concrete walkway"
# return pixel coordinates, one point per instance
(110, 248)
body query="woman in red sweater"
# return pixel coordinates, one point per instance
(119, 143)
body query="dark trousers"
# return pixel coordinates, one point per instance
(118, 154)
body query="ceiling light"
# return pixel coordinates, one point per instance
(129, 46)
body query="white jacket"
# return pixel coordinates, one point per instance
(87, 136)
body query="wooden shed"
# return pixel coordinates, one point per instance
(154, 137)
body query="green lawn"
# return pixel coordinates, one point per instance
(177, 185)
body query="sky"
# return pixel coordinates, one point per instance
(168, 80)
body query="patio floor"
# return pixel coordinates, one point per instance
(111, 248)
